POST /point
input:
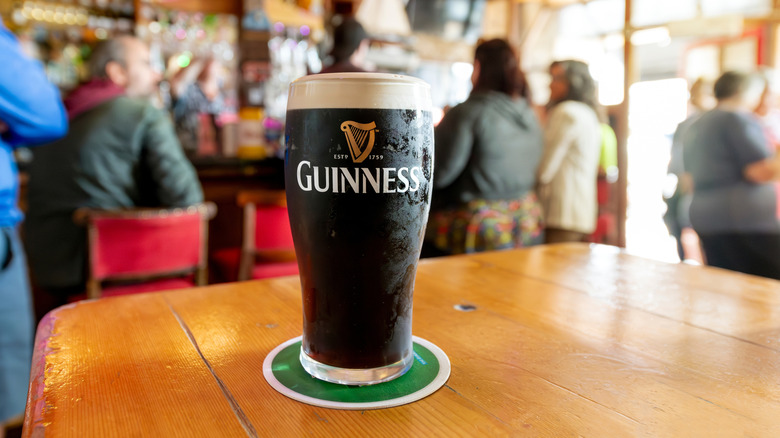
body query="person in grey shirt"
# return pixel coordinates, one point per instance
(734, 207)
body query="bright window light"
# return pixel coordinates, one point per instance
(655, 35)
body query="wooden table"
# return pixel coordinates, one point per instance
(565, 340)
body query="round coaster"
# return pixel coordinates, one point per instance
(283, 371)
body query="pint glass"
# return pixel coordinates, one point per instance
(358, 175)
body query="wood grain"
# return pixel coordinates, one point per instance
(564, 340)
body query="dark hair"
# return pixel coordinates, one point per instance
(347, 37)
(581, 86)
(732, 83)
(498, 68)
(111, 50)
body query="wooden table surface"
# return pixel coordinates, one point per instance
(565, 340)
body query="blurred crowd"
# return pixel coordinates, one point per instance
(506, 178)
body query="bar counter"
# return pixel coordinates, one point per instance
(222, 179)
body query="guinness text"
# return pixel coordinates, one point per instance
(358, 180)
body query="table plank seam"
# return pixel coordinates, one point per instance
(634, 420)
(243, 419)
(482, 408)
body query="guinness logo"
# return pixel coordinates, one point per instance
(360, 137)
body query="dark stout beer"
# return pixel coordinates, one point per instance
(358, 174)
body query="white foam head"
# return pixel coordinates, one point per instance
(359, 90)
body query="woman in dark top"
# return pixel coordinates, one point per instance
(487, 152)
(734, 200)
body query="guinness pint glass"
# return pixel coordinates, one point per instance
(358, 175)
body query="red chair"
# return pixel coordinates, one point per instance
(267, 248)
(144, 250)
(606, 220)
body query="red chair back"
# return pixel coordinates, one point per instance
(146, 244)
(272, 228)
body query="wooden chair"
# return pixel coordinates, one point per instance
(267, 248)
(143, 250)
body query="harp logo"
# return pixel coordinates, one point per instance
(360, 137)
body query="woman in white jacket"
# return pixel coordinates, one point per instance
(572, 143)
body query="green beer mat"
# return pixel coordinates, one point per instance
(283, 371)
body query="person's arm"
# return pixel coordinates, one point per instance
(31, 110)
(763, 171)
(186, 77)
(608, 155)
(559, 136)
(454, 139)
(174, 176)
(752, 149)
(676, 166)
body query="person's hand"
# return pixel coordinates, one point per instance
(186, 77)
(3, 127)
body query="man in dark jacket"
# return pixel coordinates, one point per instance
(350, 46)
(121, 152)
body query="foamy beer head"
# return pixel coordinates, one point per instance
(359, 90)
(358, 174)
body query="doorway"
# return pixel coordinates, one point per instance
(655, 109)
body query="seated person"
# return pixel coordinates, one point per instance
(120, 152)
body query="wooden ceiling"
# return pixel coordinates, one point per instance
(205, 6)
(277, 10)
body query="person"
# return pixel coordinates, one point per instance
(350, 47)
(734, 208)
(769, 117)
(678, 202)
(30, 113)
(121, 152)
(195, 101)
(568, 170)
(605, 231)
(608, 160)
(767, 111)
(487, 151)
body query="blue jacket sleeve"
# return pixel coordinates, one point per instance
(30, 106)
